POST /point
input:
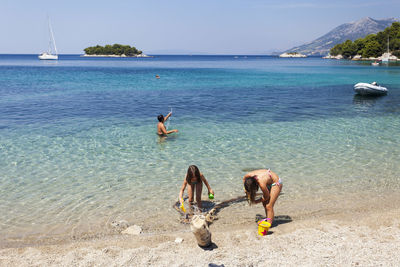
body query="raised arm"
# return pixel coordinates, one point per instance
(166, 117)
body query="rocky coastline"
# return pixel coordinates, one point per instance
(292, 55)
(360, 58)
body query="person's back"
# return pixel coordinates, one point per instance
(161, 130)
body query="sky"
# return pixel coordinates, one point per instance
(179, 26)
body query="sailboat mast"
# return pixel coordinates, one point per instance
(53, 41)
(388, 45)
(52, 53)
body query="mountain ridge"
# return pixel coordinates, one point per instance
(343, 32)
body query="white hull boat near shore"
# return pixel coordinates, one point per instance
(370, 89)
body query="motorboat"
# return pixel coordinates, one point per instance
(370, 89)
(375, 63)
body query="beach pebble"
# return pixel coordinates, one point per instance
(120, 225)
(133, 230)
(178, 240)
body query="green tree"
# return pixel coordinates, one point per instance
(360, 43)
(336, 50)
(349, 49)
(115, 49)
(372, 45)
(372, 49)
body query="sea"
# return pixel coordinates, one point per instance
(79, 153)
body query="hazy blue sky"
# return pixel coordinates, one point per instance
(179, 26)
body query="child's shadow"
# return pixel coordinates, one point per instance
(212, 209)
(209, 208)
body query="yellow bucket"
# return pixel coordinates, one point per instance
(263, 227)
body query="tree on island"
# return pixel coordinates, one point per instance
(372, 45)
(115, 49)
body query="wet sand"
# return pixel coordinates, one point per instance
(360, 235)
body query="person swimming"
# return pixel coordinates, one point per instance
(161, 129)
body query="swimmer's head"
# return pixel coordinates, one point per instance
(251, 188)
(193, 174)
(160, 118)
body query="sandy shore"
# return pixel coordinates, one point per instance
(364, 238)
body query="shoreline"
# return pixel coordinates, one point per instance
(328, 240)
(356, 235)
(287, 210)
(339, 57)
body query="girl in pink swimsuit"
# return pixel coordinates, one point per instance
(270, 185)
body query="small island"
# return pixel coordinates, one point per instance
(292, 54)
(115, 50)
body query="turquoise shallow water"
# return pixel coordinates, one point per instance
(78, 147)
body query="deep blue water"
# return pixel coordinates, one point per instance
(222, 88)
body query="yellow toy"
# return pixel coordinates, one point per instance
(182, 207)
(263, 227)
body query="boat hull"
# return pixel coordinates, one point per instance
(48, 57)
(369, 89)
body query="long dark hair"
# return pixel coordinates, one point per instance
(251, 188)
(192, 172)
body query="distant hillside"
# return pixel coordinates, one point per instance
(347, 31)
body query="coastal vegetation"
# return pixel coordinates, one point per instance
(115, 49)
(372, 45)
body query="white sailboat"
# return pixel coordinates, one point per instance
(385, 56)
(51, 54)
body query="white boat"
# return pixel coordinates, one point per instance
(385, 56)
(51, 54)
(370, 89)
(46, 56)
(375, 63)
